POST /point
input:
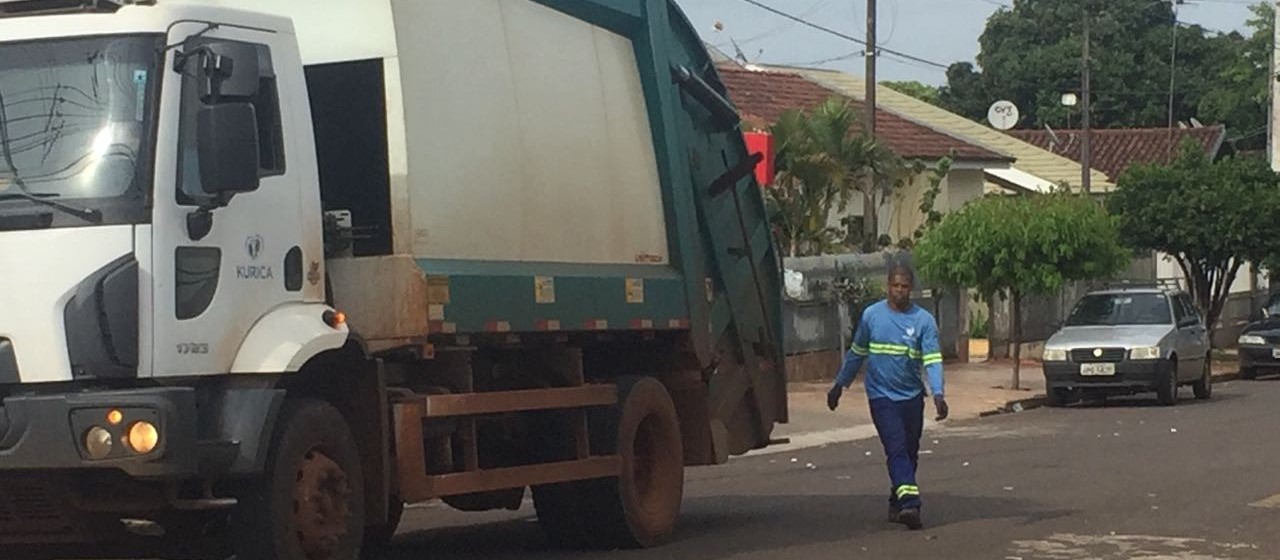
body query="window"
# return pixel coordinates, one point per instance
(1189, 308)
(266, 107)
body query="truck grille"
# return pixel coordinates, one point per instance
(30, 506)
(1088, 355)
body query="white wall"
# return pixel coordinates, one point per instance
(1167, 269)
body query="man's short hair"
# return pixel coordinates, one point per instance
(904, 271)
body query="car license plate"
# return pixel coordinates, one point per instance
(1275, 353)
(1097, 369)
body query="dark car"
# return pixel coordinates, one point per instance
(1260, 342)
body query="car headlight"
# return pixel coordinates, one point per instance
(1055, 355)
(1152, 353)
(1252, 339)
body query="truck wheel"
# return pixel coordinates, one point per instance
(377, 538)
(638, 508)
(1203, 387)
(309, 504)
(1167, 391)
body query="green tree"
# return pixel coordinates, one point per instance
(823, 162)
(1240, 96)
(923, 92)
(1210, 217)
(1014, 246)
(1031, 54)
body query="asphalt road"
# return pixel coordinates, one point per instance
(1129, 479)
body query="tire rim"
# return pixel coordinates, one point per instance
(321, 513)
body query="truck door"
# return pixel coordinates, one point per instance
(211, 287)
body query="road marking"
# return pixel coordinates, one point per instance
(1272, 502)
(1149, 547)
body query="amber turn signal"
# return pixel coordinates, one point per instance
(335, 319)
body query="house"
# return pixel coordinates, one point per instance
(762, 96)
(1113, 151)
(1035, 169)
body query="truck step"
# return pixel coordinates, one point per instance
(410, 410)
(476, 404)
(425, 487)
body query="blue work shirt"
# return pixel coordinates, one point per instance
(895, 345)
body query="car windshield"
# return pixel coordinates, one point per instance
(75, 122)
(1121, 309)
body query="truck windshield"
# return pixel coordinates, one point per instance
(76, 121)
(1121, 309)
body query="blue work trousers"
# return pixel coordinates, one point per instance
(900, 424)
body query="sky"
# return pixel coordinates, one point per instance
(940, 31)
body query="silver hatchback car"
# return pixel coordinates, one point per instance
(1129, 341)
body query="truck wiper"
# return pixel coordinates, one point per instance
(92, 215)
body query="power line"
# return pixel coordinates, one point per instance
(841, 35)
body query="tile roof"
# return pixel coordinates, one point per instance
(763, 96)
(1115, 150)
(1030, 158)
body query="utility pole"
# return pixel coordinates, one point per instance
(870, 226)
(1173, 66)
(1273, 114)
(1086, 147)
(871, 69)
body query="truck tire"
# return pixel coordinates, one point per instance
(377, 538)
(309, 503)
(639, 508)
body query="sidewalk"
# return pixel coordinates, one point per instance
(973, 389)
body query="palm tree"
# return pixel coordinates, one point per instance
(823, 161)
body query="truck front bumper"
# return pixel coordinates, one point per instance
(48, 432)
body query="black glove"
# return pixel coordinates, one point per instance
(940, 403)
(833, 396)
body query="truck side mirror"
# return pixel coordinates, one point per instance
(227, 136)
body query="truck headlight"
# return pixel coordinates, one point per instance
(1152, 353)
(1252, 340)
(1055, 355)
(143, 437)
(98, 442)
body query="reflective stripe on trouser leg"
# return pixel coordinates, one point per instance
(899, 425)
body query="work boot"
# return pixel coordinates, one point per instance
(893, 513)
(911, 518)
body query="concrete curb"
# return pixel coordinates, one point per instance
(1023, 405)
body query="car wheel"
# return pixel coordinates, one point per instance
(1167, 390)
(1203, 387)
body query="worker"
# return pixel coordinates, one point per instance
(897, 338)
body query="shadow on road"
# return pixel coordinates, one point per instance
(723, 526)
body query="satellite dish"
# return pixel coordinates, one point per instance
(1003, 115)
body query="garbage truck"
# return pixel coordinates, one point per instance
(273, 270)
